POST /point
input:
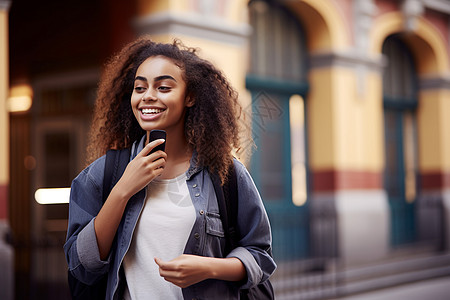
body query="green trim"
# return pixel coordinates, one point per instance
(276, 85)
(399, 103)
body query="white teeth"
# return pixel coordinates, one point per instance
(151, 111)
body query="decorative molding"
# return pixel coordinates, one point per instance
(211, 8)
(434, 83)
(348, 60)
(412, 9)
(197, 25)
(5, 5)
(364, 12)
(355, 60)
(438, 5)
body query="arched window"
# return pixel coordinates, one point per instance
(277, 81)
(400, 103)
(278, 48)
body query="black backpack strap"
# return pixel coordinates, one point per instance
(227, 200)
(115, 163)
(222, 208)
(110, 162)
(230, 190)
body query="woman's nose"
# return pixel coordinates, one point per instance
(149, 96)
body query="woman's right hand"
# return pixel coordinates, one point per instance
(141, 170)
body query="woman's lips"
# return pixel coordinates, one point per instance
(151, 110)
(148, 114)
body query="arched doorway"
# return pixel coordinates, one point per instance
(400, 102)
(277, 82)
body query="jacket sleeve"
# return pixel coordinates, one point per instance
(81, 247)
(255, 245)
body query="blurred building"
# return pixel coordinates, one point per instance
(349, 109)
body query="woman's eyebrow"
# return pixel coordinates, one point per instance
(162, 77)
(140, 78)
(158, 78)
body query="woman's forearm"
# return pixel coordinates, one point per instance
(229, 269)
(186, 270)
(108, 220)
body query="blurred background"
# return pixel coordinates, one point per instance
(349, 103)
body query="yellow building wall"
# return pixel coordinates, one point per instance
(324, 26)
(345, 129)
(231, 59)
(433, 130)
(321, 120)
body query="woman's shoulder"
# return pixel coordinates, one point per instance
(94, 171)
(241, 170)
(238, 165)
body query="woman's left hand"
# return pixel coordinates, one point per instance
(186, 270)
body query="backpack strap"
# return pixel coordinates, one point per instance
(110, 162)
(115, 163)
(227, 200)
(230, 190)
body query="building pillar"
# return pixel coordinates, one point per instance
(433, 209)
(6, 250)
(346, 158)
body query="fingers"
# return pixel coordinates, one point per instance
(169, 272)
(164, 269)
(146, 150)
(163, 265)
(143, 169)
(159, 262)
(182, 271)
(153, 160)
(160, 163)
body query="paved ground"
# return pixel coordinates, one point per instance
(435, 289)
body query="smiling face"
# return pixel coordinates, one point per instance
(159, 98)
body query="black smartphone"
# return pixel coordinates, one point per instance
(156, 135)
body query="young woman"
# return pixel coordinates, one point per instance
(166, 242)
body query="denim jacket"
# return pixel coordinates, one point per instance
(206, 237)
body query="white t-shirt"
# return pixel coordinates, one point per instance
(162, 231)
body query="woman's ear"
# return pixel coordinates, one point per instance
(189, 101)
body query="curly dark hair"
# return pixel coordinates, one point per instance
(211, 124)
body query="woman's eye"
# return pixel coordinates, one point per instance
(139, 89)
(164, 88)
